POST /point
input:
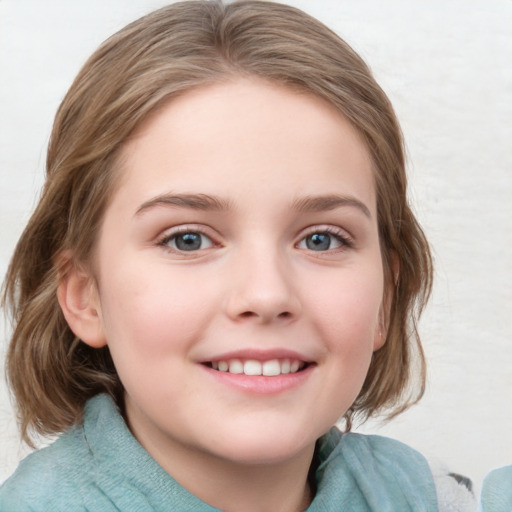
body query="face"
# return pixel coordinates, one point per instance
(239, 274)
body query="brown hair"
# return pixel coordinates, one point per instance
(185, 45)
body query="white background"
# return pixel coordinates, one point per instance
(446, 65)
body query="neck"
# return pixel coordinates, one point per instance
(278, 487)
(233, 486)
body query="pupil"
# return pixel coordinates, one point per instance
(188, 242)
(318, 241)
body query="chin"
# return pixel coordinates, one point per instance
(261, 448)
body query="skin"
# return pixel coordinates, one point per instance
(255, 286)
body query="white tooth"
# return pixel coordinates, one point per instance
(215, 365)
(294, 367)
(285, 366)
(252, 367)
(236, 366)
(271, 368)
(223, 366)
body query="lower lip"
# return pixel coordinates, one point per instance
(260, 384)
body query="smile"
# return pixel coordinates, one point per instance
(253, 367)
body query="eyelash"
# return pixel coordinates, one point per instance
(345, 241)
(183, 230)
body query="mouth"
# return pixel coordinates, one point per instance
(254, 367)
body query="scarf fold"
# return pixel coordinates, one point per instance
(371, 474)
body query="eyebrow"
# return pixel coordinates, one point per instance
(203, 202)
(329, 202)
(206, 202)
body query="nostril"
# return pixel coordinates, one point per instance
(253, 314)
(248, 314)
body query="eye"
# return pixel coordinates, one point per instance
(324, 240)
(187, 241)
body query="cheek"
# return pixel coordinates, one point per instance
(151, 309)
(347, 313)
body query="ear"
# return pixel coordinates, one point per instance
(390, 286)
(79, 301)
(381, 331)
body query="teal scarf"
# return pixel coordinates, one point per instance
(497, 491)
(100, 467)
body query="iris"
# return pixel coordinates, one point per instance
(318, 241)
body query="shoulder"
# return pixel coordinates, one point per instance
(64, 476)
(383, 452)
(496, 493)
(373, 473)
(391, 472)
(64, 466)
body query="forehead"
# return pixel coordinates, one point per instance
(247, 127)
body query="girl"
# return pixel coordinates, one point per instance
(222, 264)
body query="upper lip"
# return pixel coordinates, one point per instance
(258, 355)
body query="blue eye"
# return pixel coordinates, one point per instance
(318, 242)
(187, 241)
(322, 241)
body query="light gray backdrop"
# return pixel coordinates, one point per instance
(446, 66)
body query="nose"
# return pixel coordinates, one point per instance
(262, 289)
